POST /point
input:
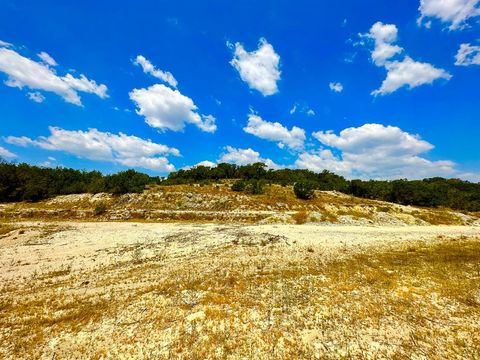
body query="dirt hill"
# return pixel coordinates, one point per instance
(218, 203)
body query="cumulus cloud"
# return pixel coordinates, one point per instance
(467, 55)
(168, 109)
(384, 36)
(148, 68)
(375, 151)
(244, 157)
(453, 12)
(24, 72)
(259, 68)
(47, 59)
(93, 144)
(409, 73)
(36, 96)
(336, 87)
(323, 160)
(274, 131)
(400, 73)
(6, 154)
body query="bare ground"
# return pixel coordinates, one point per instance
(205, 291)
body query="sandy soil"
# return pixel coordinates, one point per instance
(42, 247)
(124, 290)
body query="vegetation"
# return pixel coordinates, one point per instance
(433, 192)
(100, 209)
(23, 182)
(239, 185)
(304, 190)
(5, 229)
(255, 187)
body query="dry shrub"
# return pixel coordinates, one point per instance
(301, 217)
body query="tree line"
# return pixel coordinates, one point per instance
(433, 192)
(23, 182)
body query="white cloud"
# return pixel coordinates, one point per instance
(50, 162)
(47, 59)
(104, 146)
(5, 44)
(400, 73)
(24, 72)
(274, 131)
(36, 96)
(206, 163)
(6, 154)
(152, 163)
(384, 35)
(336, 87)
(385, 140)
(409, 73)
(85, 85)
(164, 108)
(454, 12)
(148, 68)
(323, 160)
(467, 55)
(19, 140)
(375, 151)
(259, 68)
(296, 108)
(245, 157)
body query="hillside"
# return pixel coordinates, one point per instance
(218, 203)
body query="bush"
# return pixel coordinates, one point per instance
(100, 209)
(255, 187)
(239, 185)
(304, 190)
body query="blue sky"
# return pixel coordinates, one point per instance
(371, 89)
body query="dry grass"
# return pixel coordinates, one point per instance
(265, 301)
(5, 229)
(301, 217)
(218, 203)
(437, 216)
(355, 213)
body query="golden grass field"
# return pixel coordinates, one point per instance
(103, 290)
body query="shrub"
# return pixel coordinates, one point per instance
(304, 190)
(255, 187)
(301, 217)
(129, 181)
(239, 185)
(100, 209)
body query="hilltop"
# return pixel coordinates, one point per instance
(219, 203)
